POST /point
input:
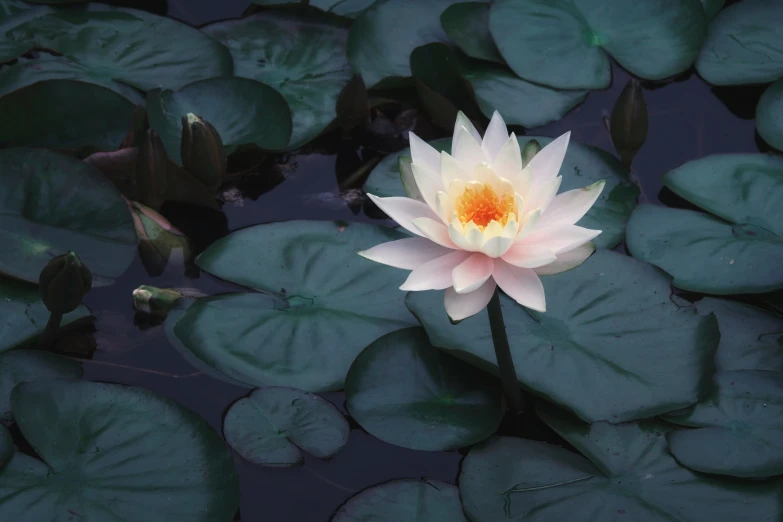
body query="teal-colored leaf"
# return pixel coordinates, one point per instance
(769, 115)
(712, 7)
(467, 25)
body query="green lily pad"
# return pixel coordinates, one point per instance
(769, 115)
(524, 103)
(467, 24)
(567, 43)
(118, 452)
(322, 304)
(732, 255)
(50, 114)
(9, 7)
(628, 474)
(13, 15)
(29, 365)
(743, 44)
(303, 59)
(384, 35)
(600, 348)
(269, 427)
(712, 7)
(347, 8)
(404, 500)
(406, 392)
(76, 209)
(6, 445)
(750, 338)
(243, 111)
(583, 165)
(739, 427)
(135, 47)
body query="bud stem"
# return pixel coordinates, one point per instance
(50, 332)
(508, 375)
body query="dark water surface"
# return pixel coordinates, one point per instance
(688, 120)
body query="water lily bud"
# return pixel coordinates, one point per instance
(202, 151)
(151, 170)
(63, 282)
(158, 239)
(530, 149)
(155, 301)
(628, 124)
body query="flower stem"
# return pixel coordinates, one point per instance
(49, 333)
(508, 376)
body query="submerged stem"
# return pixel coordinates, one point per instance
(508, 375)
(49, 333)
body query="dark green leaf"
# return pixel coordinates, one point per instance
(467, 24)
(6, 445)
(769, 115)
(711, 7)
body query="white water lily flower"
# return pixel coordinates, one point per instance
(484, 220)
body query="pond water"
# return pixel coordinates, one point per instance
(687, 120)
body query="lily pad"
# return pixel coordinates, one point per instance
(736, 252)
(269, 427)
(583, 165)
(712, 7)
(404, 500)
(739, 427)
(567, 43)
(630, 475)
(769, 115)
(29, 365)
(524, 103)
(467, 24)
(322, 304)
(243, 111)
(611, 345)
(744, 44)
(9, 7)
(750, 338)
(76, 209)
(50, 114)
(406, 392)
(118, 451)
(384, 35)
(135, 47)
(6, 445)
(347, 8)
(303, 59)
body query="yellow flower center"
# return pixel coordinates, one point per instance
(482, 205)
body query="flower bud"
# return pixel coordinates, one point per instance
(530, 149)
(628, 124)
(202, 152)
(63, 282)
(151, 170)
(154, 301)
(158, 239)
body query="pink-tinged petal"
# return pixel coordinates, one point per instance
(529, 220)
(467, 151)
(560, 238)
(435, 231)
(472, 273)
(462, 306)
(528, 256)
(496, 246)
(443, 207)
(464, 121)
(542, 194)
(508, 162)
(429, 184)
(404, 211)
(546, 164)
(569, 207)
(495, 137)
(406, 253)
(435, 274)
(423, 153)
(567, 260)
(520, 284)
(451, 170)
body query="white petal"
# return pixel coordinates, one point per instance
(541, 194)
(423, 153)
(457, 235)
(569, 207)
(435, 274)
(522, 181)
(528, 256)
(404, 211)
(520, 284)
(474, 235)
(560, 238)
(464, 121)
(495, 137)
(493, 229)
(406, 253)
(467, 151)
(546, 164)
(443, 207)
(508, 162)
(405, 166)
(434, 231)
(451, 170)
(462, 306)
(567, 260)
(530, 220)
(496, 246)
(429, 183)
(472, 273)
